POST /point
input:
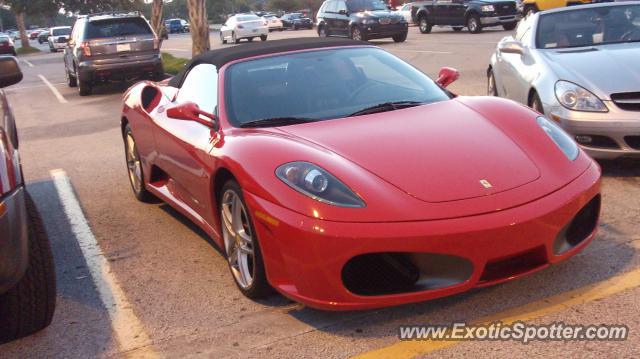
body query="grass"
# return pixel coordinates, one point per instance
(172, 65)
(26, 50)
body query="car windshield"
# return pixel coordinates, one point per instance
(589, 27)
(175, 22)
(117, 27)
(4, 38)
(365, 5)
(61, 32)
(248, 18)
(323, 85)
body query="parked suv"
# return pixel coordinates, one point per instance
(360, 20)
(296, 21)
(111, 47)
(58, 38)
(472, 14)
(177, 26)
(27, 276)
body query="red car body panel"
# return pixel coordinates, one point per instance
(417, 169)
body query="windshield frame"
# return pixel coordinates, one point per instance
(224, 81)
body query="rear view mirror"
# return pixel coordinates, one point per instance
(511, 47)
(447, 76)
(189, 111)
(10, 73)
(343, 12)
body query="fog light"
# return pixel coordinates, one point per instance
(584, 139)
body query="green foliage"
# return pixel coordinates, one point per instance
(26, 50)
(172, 65)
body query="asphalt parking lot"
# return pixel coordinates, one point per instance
(176, 296)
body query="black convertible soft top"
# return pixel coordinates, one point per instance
(223, 56)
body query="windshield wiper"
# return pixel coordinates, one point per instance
(387, 106)
(277, 121)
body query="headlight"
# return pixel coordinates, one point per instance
(561, 138)
(578, 98)
(318, 184)
(487, 8)
(369, 21)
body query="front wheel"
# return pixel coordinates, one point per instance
(234, 38)
(536, 103)
(263, 37)
(357, 34)
(509, 26)
(134, 168)
(322, 32)
(28, 307)
(424, 25)
(241, 245)
(492, 90)
(400, 37)
(222, 39)
(473, 24)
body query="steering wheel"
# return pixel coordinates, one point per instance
(632, 35)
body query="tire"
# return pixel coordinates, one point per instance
(492, 89)
(258, 286)
(222, 40)
(473, 24)
(536, 103)
(71, 81)
(457, 28)
(296, 26)
(134, 168)
(357, 34)
(250, 39)
(424, 25)
(322, 31)
(84, 88)
(29, 306)
(52, 49)
(263, 37)
(234, 39)
(400, 37)
(510, 26)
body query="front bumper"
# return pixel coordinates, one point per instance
(499, 20)
(305, 258)
(376, 30)
(620, 127)
(13, 239)
(129, 68)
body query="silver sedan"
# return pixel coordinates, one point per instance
(580, 66)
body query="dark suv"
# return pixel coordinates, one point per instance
(111, 47)
(474, 14)
(27, 276)
(360, 20)
(296, 21)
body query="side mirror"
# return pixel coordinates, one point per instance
(511, 47)
(189, 111)
(343, 12)
(447, 76)
(10, 73)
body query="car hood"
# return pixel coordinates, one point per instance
(436, 153)
(617, 67)
(379, 14)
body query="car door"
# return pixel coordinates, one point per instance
(440, 12)
(457, 9)
(68, 50)
(330, 17)
(184, 146)
(511, 69)
(342, 18)
(227, 28)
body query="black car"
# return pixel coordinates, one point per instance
(360, 20)
(473, 14)
(27, 276)
(44, 36)
(296, 21)
(111, 47)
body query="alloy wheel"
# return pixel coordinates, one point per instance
(355, 34)
(238, 239)
(423, 24)
(133, 164)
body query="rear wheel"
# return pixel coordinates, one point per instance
(263, 37)
(509, 26)
(241, 243)
(473, 24)
(234, 38)
(424, 25)
(400, 37)
(134, 168)
(71, 81)
(84, 88)
(29, 306)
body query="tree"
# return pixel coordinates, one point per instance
(20, 8)
(284, 5)
(156, 17)
(199, 26)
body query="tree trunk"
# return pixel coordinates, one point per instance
(156, 18)
(23, 31)
(199, 26)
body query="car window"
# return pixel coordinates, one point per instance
(332, 6)
(117, 27)
(201, 86)
(60, 32)
(248, 18)
(322, 84)
(365, 5)
(341, 6)
(587, 27)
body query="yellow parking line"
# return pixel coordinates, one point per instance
(534, 310)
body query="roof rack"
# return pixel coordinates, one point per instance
(113, 13)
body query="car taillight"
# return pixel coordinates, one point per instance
(86, 49)
(156, 43)
(240, 26)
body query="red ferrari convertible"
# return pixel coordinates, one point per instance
(344, 178)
